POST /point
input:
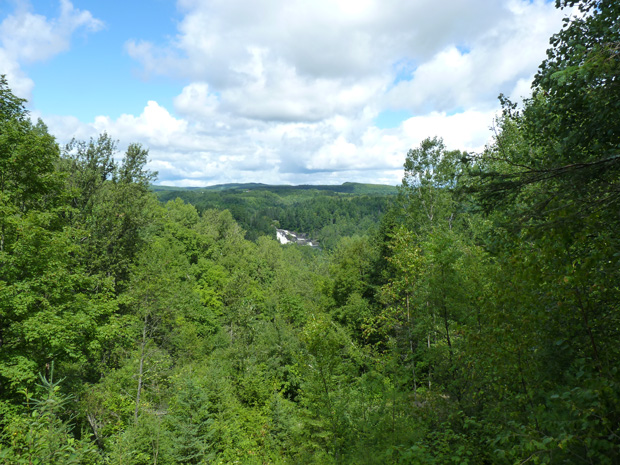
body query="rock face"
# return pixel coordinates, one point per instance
(289, 237)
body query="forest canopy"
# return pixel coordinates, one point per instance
(477, 321)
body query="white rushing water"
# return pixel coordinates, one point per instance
(289, 237)
(281, 234)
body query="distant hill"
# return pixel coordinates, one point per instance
(345, 188)
(323, 212)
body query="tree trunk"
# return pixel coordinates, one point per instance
(415, 385)
(141, 368)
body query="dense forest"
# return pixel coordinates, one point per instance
(325, 213)
(477, 323)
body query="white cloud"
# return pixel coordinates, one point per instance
(322, 38)
(20, 84)
(281, 92)
(299, 60)
(468, 131)
(497, 60)
(309, 61)
(196, 101)
(155, 126)
(26, 37)
(339, 149)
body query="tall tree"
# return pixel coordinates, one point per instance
(111, 203)
(570, 126)
(48, 308)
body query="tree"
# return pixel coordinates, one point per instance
(570, 126)
(41, 435)
(427, 192)
(48, 307)
(162, 296)
(551, 184)
(111, 202)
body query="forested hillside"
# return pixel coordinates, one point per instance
(325, 213)
(478, 323)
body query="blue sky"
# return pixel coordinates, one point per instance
(97, 73)
(278, 91)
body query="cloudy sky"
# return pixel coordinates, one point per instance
(273, 91)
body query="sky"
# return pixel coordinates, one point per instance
(273, 91)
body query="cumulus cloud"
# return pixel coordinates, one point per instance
(197, 101)
(291, 92)
(26, 37)
(323, 38)
(188, 152)
(155, 126)
(300, 61)
(498, 59)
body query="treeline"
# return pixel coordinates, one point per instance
(322, 214)
(479, 323)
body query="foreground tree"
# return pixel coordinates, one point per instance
(569, 129)
(50, 308)
(110, 203)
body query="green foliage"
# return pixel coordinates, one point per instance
(324, 214)
(41, 436)
(431, 176)
(568, 131)
(476, 322)
(111, 203)
(50, 308)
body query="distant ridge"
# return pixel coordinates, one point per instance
(345, 188)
